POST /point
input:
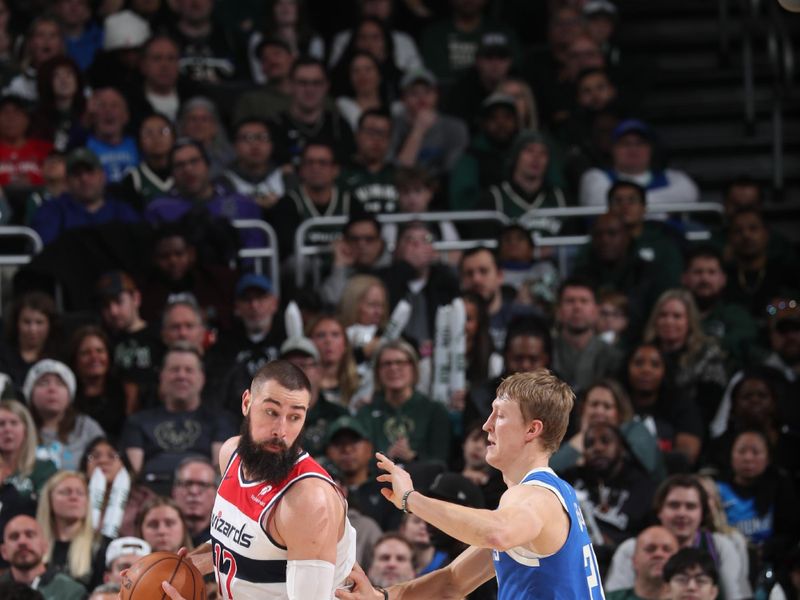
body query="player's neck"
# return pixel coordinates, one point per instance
(514, 473)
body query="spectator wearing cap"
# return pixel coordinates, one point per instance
(405, 55)
(82, 35)
(526, 185)
(784, 340)
(121, 554)
(156, 440)
(43, 41)
(84, 204)
(483, 163)
(271, 65)
(632, 159)
(302, 353)
(309, 116)
(465, 99)
(177, 270)
(124, 33)
(194, 190)
(206, 54)
(152, 177)
(450, 46)
(253, 341)
(316, 195)
(421, 135)
(601, 24)
(368, 175)
(21, 158)
(64, 433)
(252, 172)
(350, 451)
(109, 117)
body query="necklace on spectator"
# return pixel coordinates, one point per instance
(750, 288)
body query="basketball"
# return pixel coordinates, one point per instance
(143, 580)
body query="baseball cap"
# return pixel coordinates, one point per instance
(632, 126)
(599, 7)
(784, 315)
(82, 157)
(253, 281)
(419, 75)
(124, 30)
(345, 423)
(494, 43)
(299, 344)
(498, 99)
(458, 489)
(15, 99)
(112, 284)
(126, 545)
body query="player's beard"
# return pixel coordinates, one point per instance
(260, 464)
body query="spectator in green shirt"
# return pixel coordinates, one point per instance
(402, 422)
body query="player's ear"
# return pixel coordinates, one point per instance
(535, 429)
(247, 399)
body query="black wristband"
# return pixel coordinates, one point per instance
(384, 592)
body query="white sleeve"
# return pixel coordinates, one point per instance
(620, 574)
(732, 573)
(593, 188)
(309, 579)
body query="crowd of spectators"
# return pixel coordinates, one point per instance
(133, 134)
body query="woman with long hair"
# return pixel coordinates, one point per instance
(101, 394)
(483, 363)
(64, 432)
(362, 88)
(673, 419)
(32, 334)
(62, 104)
(109, 480)
(695, 362)
(66, 521)
(364, 311)
(22, 475)
(524, 100)
(606, 401)
(161, 524)
(340, 378)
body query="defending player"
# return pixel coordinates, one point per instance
(535, 542)
(279, 528)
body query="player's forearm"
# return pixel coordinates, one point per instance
(201, 558)
(438, 585)
(476, 527)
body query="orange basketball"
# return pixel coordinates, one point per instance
(143, 580)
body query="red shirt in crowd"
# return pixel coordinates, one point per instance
(22, 165)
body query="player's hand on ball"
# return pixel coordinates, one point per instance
(171, 592)
(397, 476)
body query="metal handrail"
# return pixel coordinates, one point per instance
(15, 260)
(258, 254)
(301, 250)
(593, 211)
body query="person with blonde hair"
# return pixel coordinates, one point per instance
(535, 543)
(22, 475)
(364, 310)
(400, 421)
(524, 100)
(66, 520)
(695, 362)
(340, 378)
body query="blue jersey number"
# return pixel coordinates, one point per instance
(590, 565)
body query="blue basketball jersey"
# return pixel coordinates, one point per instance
(569, 574)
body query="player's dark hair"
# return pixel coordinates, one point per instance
(285, 373)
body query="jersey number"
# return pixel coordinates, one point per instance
(222, 556)
(590, 563)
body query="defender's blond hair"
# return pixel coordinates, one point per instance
(543, 397)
